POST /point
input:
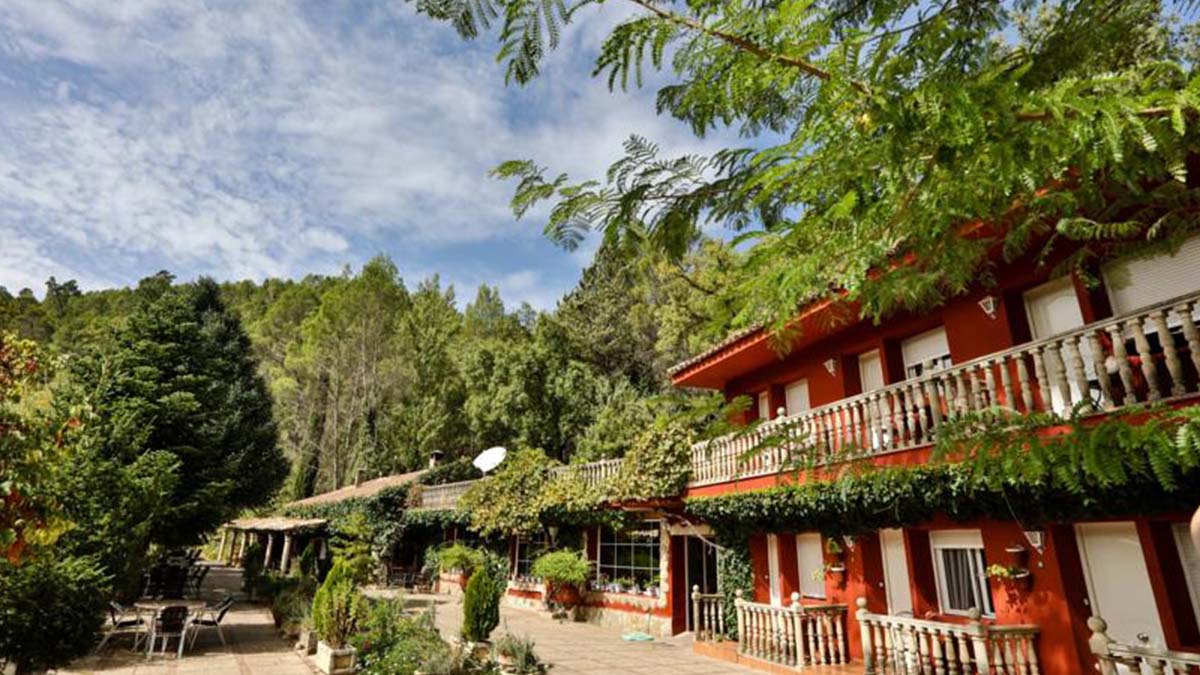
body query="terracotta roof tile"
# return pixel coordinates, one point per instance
(365, 489)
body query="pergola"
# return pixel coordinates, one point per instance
(270, 527)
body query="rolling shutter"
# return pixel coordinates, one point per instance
(1136, 283)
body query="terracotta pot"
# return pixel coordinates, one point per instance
(567, 595)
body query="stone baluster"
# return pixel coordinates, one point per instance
(795, 649)
(1078, 375)
(1124, 370)
(977, 397)
(1043, 380)
(1170, 354)
(1149, 371)
(1190, 334)
(888, 409)
(698, 619)
(1058, 372)
(860, 425)
(979, 641)
(1023, 382)
(916, 426)
(1099, 365)
(989, 379)
(935, 405)
(1010, 397)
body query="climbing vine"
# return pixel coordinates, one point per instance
(1082, 470)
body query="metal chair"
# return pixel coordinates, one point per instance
(171, 622)
(123, 621)
(211, 617)
(196, 579)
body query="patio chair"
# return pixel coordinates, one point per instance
(174, 582)
(196, 579)
(211, 617)
(123, 621)
(172, 622)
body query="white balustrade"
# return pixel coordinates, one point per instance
(909, 646)
(1115, 657)
(1136, 358)
(708, 615)
(593, 474)
(442, 497)
(796, 635)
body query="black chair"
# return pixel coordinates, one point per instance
(196, 579)
(171, 622)
(174, 582)
(123, 621)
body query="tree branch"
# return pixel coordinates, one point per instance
(749, 45)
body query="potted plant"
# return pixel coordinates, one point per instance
(1019, 555)
(337, 611)
(1010, 575)
(460, 560)
(515, 655)
(565, 574)
(307, 644)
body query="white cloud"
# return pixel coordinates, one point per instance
(276, 138)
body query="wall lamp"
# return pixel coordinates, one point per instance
(831, 365)
(988, 304)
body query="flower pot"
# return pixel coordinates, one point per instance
(1019, 555)
(482, 650)
(1023, 580)
(567, 595)
(335, 661)
(307, 643)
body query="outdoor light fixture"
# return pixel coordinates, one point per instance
(831, 365)
(988, 304)
(1036, 539)
(849, 539)
(552, 530)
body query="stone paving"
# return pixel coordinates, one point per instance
(586, 649)
(254, 646)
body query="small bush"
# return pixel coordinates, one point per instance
(457, 661)
(481, 606)
(520, 655)
(308, 560)
(391, 642)
(252, 568)
(338, 607)
(562, 568)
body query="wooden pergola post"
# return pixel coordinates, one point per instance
(221, 548)
(242, 551)
(267, 553)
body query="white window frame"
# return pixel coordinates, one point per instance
(941, 359)
(796, 385)
(876, 356)
(773, 579)
(811, 587)
(611, 541)
(527, 550)
(969, 540)
(764, 405)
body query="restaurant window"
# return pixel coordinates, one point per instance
(961, 571)
(630, 556)
(528, 550)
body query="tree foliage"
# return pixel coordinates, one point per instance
(874, 130)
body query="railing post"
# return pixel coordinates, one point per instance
(979, 642)
(795, 646)
(741, 623)
(1099, 645)
(865, 628)
(697, 624)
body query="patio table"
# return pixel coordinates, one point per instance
(153, 606)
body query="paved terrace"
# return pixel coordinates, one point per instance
(254, 646)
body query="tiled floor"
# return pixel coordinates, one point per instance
(254, 646)
(586, 649)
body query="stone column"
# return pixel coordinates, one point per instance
(287, 553)
(221, 548)
(267, 551)
(242, 551)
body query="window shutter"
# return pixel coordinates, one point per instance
(1053, 308)
(870, 371)
(1140, 282)
(796, 395)
(928, 346)
(811, 561)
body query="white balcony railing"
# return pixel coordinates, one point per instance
(592, 474)
(904, 645)
(708, 615)
(1100, 367)
(1114, 657)
(796, 635)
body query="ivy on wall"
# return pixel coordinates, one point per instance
(1000, 470)
(382, 514)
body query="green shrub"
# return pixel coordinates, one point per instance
(462, 558)
(481, 605)
(252, 568)
(391, 642)
(520, 655)
(50, 610)
(351, 543)
(456, 661)
(338, 607)
(292, 606)
(308, 560)
(562, 568)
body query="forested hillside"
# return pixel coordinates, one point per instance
(370, 372)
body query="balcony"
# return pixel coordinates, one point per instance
(1099, 368)
(446, 496)
(442, 497)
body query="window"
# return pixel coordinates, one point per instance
(528, 549)
(773, 570)
(960, 568)
(919, 350)
(1140, 282)
(870, 371)
(811, 562)
(630, 556)
(1053, 308)
(1190, 557)
(764, 406)
(796, 395)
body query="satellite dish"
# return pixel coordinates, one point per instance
(490, 458)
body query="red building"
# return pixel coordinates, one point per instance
(974, 595)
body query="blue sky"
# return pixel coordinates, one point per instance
(270, 138)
